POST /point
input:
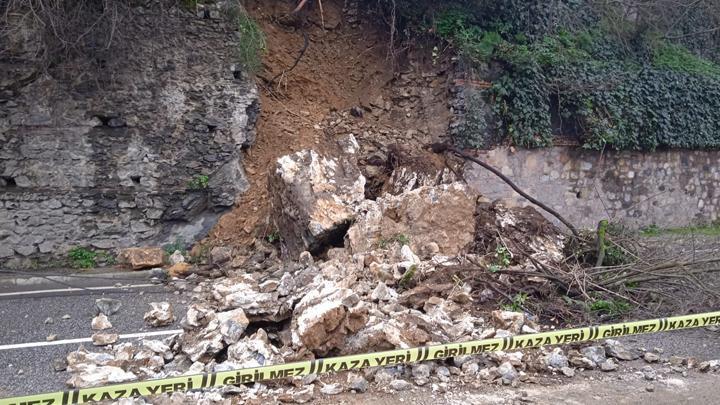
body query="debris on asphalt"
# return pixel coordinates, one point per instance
(362, 276)
(104, 339)
(100, 322)
(161, 314)
(107, 306)
(141, 258)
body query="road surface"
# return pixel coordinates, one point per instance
(26, 303)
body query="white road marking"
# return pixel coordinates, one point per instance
(71, 289)
(85, 340)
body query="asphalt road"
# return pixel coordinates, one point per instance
(23, 312)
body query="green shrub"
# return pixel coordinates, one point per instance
(82, 258)
(408, 276)
(517, 304)
(199, 182)
(274, 236)
(178, 245)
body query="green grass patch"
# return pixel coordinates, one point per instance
(399, 238)
(704, 230)
(82, 258)
(679, 59)
(251, 44)
(612, 308)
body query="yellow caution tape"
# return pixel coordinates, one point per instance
(358, 361)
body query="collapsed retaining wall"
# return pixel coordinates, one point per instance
(667, 188)
(108, 160)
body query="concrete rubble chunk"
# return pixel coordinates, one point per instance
(313, 199)
(107, 306)
(100, 322)
(161, 314)
(141, 258)
(430, 214)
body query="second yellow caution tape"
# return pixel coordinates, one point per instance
(358, 361)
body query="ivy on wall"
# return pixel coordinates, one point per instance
(570, 71)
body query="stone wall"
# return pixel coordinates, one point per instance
(666, 188)
(103, 158)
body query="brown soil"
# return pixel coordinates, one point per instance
(339, 67)
(345, 65)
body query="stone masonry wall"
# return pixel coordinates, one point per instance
(104, 160)
(666, 188)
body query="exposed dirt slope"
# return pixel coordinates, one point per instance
(345, 65)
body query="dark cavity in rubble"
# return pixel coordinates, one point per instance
(335, 239)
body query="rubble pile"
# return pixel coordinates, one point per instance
(365, 294)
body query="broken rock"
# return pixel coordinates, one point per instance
(107, 306)
(608, 365)
(161, 314)
(313, 198)
(400, 385)
(321, 319)
(176, 257)
(331, 389)
(179, 270)
(100, 322)
(512, 321)
(431, 214)
(232, 324)
(254, 351)
(220, 255)
(104, 339)
(711, 365)
(356, 382)
(596, 354)
(93, 376)
(141, 258)
(556, 359)
(615, 349)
